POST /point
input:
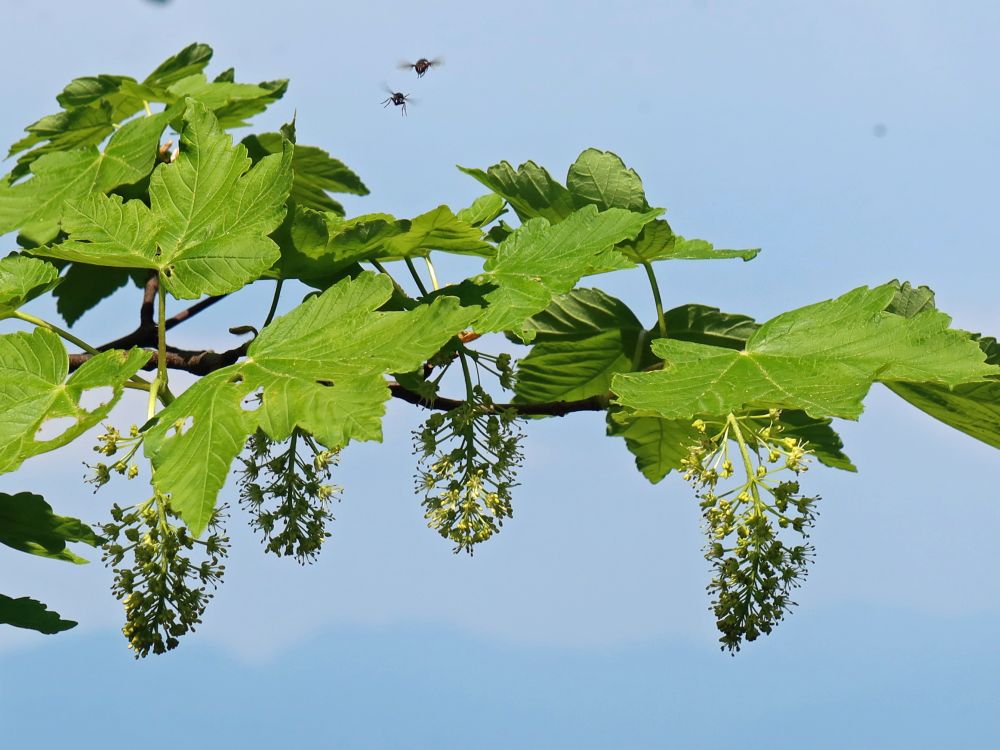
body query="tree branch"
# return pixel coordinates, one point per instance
(195, 362)
(204, 362)
(546, 409)
(145, 334)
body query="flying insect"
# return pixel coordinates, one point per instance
(422, 65)
(397, 98)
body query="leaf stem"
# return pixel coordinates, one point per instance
(433, 274)
(470, 432)
(416, 277)
(161, 339)
(748, 467)
(274, 303)
(135, 381)
(660, 320)
(28, 318)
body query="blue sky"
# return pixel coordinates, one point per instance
(854, 142)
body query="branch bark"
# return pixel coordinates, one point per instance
(206, 361)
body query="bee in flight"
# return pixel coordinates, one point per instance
(397, 98)
(422, 65)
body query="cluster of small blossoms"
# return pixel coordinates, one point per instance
(288, 495)
(500, 365)
(755, 569)
(162, 588)
(109, 443)
(468, 463)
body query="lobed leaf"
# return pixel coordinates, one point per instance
(231, 103)
(22, 279)
(62, 131)
(34, 388)
(541, 260)
(821, 359)
(529, 190)
(972, 408)
(206, 228)
(35, 206)
(321, 368)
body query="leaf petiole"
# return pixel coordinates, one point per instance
(661, 321)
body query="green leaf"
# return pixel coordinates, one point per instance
(709, 325)
(206, 231)
(484, 210)
(822, 359)
(320, 248)
(658, 445)
(35, 206)
(321, 367)
(34, 388)
(529, 190)
(541, 260)
(82, 126)
(972, 408)
(581, 341)
(215, 212)
(438, 229)
(658, 242)
(910, 300)
(122, 94)
(22, 279)
(602, 179)
(28, 524)
(316, 173)
(231, 102)
(83, 287)
(31, 615)
(189, 61)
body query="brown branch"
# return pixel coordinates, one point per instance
(195, 362)
(145, 334)
(190, 312)
(204, 362)
(546, 409)
(147, 318)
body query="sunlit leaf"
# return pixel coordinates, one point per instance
(210, 214)
(541, 260)
(35, 206)
(484, 209)
(601, 178)
(529, 190)
(22, 279)
(658, 242)
(34, 389)
(821, 359)
(321, 367)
